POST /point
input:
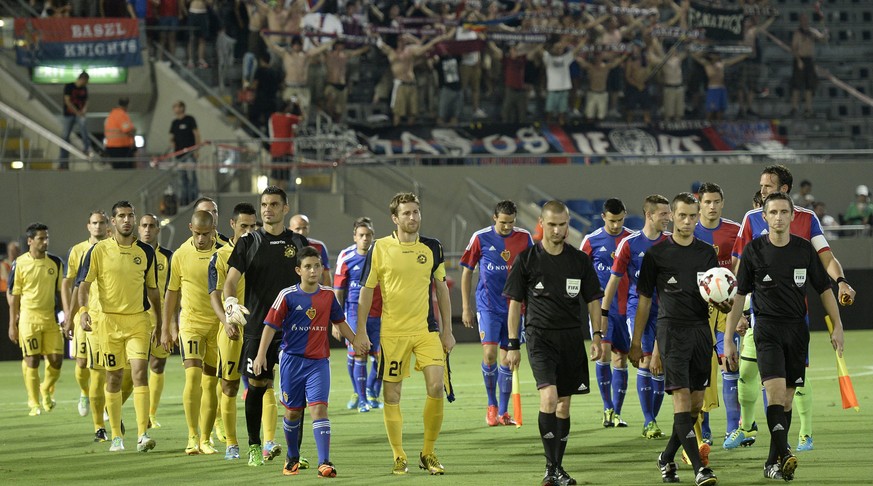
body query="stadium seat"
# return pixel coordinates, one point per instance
(582, 207)
(634, 222)
(598, 205)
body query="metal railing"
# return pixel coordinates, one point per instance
(26, 142)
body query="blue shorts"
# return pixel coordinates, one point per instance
(651, 327)
(617, 333)
(493, 330)
(716, 100)
(374, 326)
(719, 342)
(302, 379)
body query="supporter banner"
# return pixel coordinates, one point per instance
(61, 41)
(720, 23)
(585, 139)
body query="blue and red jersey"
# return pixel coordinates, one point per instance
(349, 266)
(805, 225)
(722, 238)
(629, 259)
(601, 247)
(304, 320)
(494, 254)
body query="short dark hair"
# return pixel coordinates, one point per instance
(275, 191)
(124, 101)
(555, 206)
(758, 200)
(613, 206)
(363, 221)
(243, 208)
(402, 198)
(783, 175)
(652, 201)
(121, 204)
(307, 252)
(180, 104)
(84, 75)
(35, 228)
(805, 183)
(505, 207)
(779, 196)
(684, 197)
(709, 188)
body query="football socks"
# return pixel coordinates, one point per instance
(504, 381)
(141, 406)
(156, 389)
(489, 375)
(619, 388)
(321, 430)
(433, 423)
(604, 381)
(208, 406)
(644, 391)
(394, 428)
(191, 396)
(269, 414)
(292, 431)
(254, 413)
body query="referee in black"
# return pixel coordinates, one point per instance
(267, 258)
(555, 280)
(776, 269)
(684, 338)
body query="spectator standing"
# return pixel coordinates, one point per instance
(860, 211)
(450, 96)
(557, 59)
(296, 64)
(170, 13)
(636, 92)
(184, 134)
(803, 76)
(597, 100)
(266, 84)
(75, 109)
(471, 65)
(750, 70)
(336, 90)
(13, 251)
(118, 130)
(282, 128)
(198, 20)
(716, 92)
(671, 79)
(515, 91)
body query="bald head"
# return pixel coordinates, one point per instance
(299, 223)
(202, 229)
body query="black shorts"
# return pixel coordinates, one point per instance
(686, 355)
(250, 352)
(805, 78)
(782, 350)
(558, 357)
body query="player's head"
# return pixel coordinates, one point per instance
(778, 212)
(309, 266)
(149, 229)
(711, 201)
(613, 214)
(555, 220)
(243, 220)
(202, 227)
(757, 200)
(504, 217)
(98, 224)
(775, 178)
(406, 212)
(37, 238)
(13, 250)
(363, 234)
(656, 209)
(685, 211)
(123, 218)
(274, 205)
(209, 205)
(299, 223)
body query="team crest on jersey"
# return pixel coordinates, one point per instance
(716, 249)
(799, 276)
(51, 271)
(285, 397)
(505, 255)
(612, 255)
(421, 258)
(160, 267)
(137, 260)
(310, 313)
(290, 251)
(573, 286)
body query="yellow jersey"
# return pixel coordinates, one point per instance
(37, 281)
(123, 274)
(218, 274)
(74, 264)
(188, 274)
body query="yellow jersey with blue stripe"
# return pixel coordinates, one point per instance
(123, 274)
(37, 281)
(188, 274)
(218, 274)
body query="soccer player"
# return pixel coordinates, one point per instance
(196, 330)
(267, 256)
(34, 284)
(125, 270)
(600, 245)
(628, 259)
(229, 336)
(97, 228)
(805, 224)
(777, 269)
(347, 287)
(554, 279)
(493, 250)
(684, 339)
(302, 314)
(209, 205)
(149, 229)
(721, 233)
(299, 223)
(405, 265)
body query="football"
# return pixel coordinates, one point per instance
(718, 285)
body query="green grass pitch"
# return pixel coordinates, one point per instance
(57, 447)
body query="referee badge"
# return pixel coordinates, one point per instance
(310, 313)
(573, 286)
(799, 276)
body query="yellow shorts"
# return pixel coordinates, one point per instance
(94, 340)
(229, 353)
(125, 337)
(38, 337)
(710, 394)
(197, 342)
(397, 351)
(155, 348)
(717, 320)
(79, 339)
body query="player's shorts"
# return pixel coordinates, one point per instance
(94, 340)
(558, 357)
(374, 328)
(648, 341)
(686, 355)
(229, 352)
(719, 343)
(397, 352)
(710, 394)
(38, 337)
(199, 342)
(782, 350)
(125, 337)
(156, 349)
(304, 381)
(250, 352)
(493, 328)
(749, 352)
(79, 340)
(616, 333)
(716, 100)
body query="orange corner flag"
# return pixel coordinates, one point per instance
(847, 391)
(516, 399)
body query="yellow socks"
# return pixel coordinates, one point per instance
(126, 385)
(97, 397)
(191, 398)
(156, 388)
(270, 415)
(228, 414)
(113, 406)
(82, 375)
(51, 377)
(141, 406)
(208, 406)
(31, 384)
(433, 423)
(698, 431)
(394, 427)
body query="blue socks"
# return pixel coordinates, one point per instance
(374, 384)
(489, 375)
(321, 430)
(604, 381)
(644, 390)
(504, 380)
(360, 372)
(731, 399)
(619, 388)
(350, 365)
(292, 434)
(657, 394)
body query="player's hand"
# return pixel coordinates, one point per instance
(335, 332)
(837, 341)
(596, 348)
(723, 307)
(635, 354)
(67, 327)
(513, 358)
(655, 363)
(232, 331)
(731, 357)
(743, 325)
(846, 294)
(234, 312)
(13, 334)
(85, 321)
(468, 318)
(448, 340)
(361, 343)
(259, 365)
